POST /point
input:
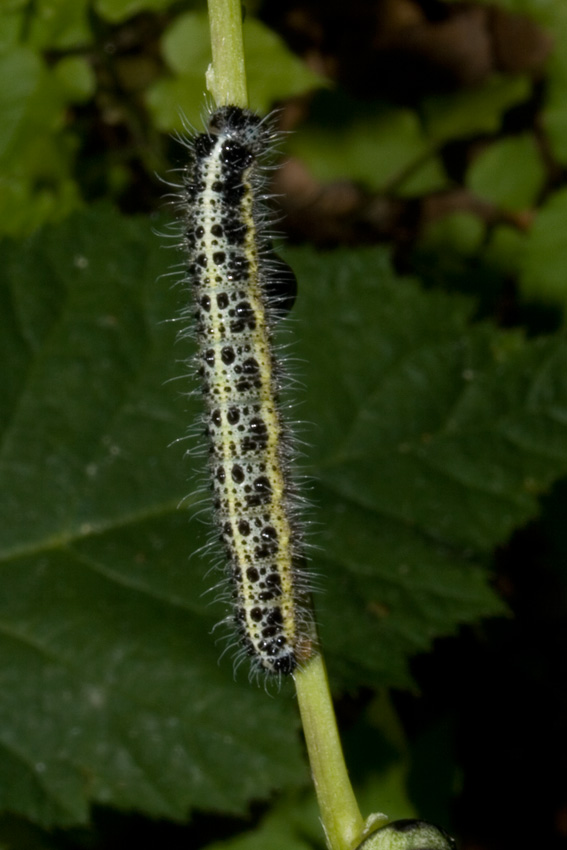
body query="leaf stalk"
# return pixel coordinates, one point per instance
(226, 77)
(340, 816)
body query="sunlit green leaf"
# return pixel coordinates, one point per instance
(505, 249)
(377, 147)
(36, 148)
(119, 10)
(543, 272)
(23, 68)
(459, 232)
(426, 177)
(555, 112)
(59, 24)
(273, 72)
(76, 77)
(475, 110)
(509, 173)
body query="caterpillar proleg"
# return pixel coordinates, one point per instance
(237, 298)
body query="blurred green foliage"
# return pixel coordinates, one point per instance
(434, 434)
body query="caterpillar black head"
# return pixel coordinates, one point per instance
(408, 835)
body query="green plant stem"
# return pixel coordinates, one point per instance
(226, 77)
(340, 815)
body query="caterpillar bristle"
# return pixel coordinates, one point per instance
(240, 289)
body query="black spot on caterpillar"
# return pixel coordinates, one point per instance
(239, 290)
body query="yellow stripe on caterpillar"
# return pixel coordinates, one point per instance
(237, 303)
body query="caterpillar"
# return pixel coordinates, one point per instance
(238, 295)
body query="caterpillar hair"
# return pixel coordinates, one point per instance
(239, 291)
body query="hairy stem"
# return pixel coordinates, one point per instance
(226, 77)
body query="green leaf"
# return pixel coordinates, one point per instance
(552, 15)
(59, 24)
(539, 9)
(542, 274)
(382, 751)
(273, 72)
(476, 110)
(36, 148)
(509, 173)
(293, 824)
(505, 249)
(425, 178)
(116, 11)
(11, 21)
(554, 114)
(458, 233)
(187, 51)
(555, 121)
(281, 829)
(377, 747)
(432, 439)
(76, 77)
(23, 69)
(24, 206)
(377, 147)
(111, 690)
